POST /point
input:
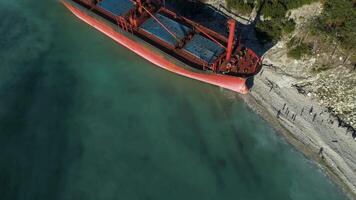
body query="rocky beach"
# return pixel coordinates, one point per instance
(299, 115)
(306, 125)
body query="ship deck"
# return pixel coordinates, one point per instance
(151, 26)
(116, 7)
(203, 48)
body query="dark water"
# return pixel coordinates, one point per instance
(83, 118)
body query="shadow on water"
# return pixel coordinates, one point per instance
(35, 101)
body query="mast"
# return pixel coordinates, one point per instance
(230, 45)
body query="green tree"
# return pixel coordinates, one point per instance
(276, 22)
(243, 6)
(338, 21)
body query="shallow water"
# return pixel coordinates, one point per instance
(83, 118)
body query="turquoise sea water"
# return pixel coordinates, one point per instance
(83, 118)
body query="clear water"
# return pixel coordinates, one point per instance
(83, 118)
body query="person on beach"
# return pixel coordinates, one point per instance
(311, 110)
(339, 122)
(284, 106)
(314, 117)
(321, 151)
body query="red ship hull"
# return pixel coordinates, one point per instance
(236, 84)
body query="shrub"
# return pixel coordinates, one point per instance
(243, 6)
(319, 68)
(273, 29)
(296, 3)
(268, 31)
(273, 9)
(299, 51)
(289, 26)
(276, 10)
(338, 21)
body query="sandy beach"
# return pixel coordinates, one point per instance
(305, 125)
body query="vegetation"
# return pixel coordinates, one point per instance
(268, 31)
(332, 35)
(298, 49)
(338, 22)
(243, 6)
(280, 5)
(296, 3)
(274, 12)
(276, 21)
(319, 68)
(289, 26)
(272, 30)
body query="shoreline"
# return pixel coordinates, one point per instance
(318, 135)
(308, 133)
